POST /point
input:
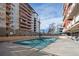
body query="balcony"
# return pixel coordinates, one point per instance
(25, 5)
(25, 25)
(25, 20)
(24, 8)
(24, 29)
(8, 7)
(8, 17)
(25, 16)
(72, 11)
(8, 12)
(29, 15)
(73, 25)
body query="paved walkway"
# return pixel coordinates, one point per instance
(63, 47)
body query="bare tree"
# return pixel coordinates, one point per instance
(51, 28)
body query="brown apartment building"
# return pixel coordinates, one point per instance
(71, 18)
(25, 18)
(17, 19)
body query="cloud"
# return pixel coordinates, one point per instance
(45, 23)
(48, 13)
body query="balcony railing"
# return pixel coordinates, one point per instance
(73, 22)
(24, 8)
(27, 7)
(26, 17)
(8, 17)
(23, 29)
(29, 15)
(25, 25)
(26, 20)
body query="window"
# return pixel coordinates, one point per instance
(7, 23)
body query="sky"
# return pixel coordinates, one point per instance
(48, 13)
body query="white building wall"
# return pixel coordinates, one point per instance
(37, 26)
(2, 15)
(32, 22)
(34, 15)
(15, 16)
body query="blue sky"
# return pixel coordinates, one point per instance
(48, 13)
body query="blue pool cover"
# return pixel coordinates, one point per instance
(38, 43)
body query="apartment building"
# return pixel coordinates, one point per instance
(17, 19)
(35, 22)
(9, 18)
(71, 18)
(14, 18)
(5, 18)
(25, 18)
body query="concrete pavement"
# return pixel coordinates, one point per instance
(63, 47)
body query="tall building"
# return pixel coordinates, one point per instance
(13, 21)
(25, 18)
(16, 19)
(8, 18)
(35, 22)
(71, 18)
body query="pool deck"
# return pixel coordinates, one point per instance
(62, 47)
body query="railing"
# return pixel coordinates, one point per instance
(26, 26)
(24, 8)
(26, 23)
(73, 22)
(26, 20)
(8, 17)
(24, 29)
(26, 17)
(29, 15)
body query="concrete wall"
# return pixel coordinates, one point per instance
(2, 15)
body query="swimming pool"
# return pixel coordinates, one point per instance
(38, 43)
